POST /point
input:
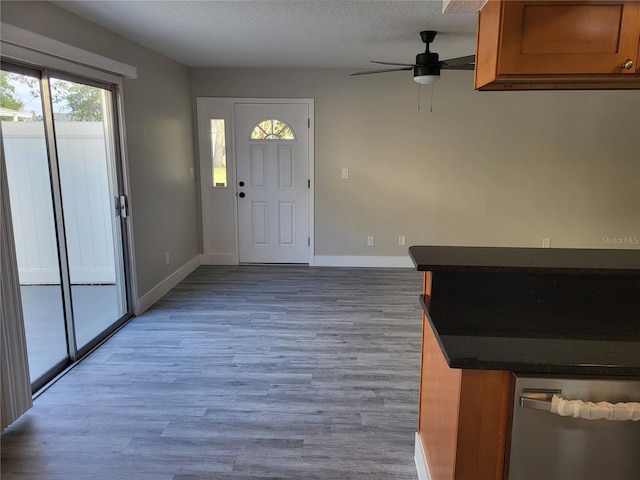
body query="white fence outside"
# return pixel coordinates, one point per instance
(87, 201)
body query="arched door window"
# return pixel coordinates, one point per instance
(272, 129)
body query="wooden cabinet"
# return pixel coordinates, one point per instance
(526, 45)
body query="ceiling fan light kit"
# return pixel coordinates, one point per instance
(427, 74)
(426, 79)
(427, 68)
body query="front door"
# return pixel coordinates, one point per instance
(272, 163)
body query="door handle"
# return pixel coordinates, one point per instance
(241, 194)
(241, 184)
(122, 207)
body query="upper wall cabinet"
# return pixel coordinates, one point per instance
(535, 45)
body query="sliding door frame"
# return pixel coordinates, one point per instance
(115, 111)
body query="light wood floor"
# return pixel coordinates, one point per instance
(278, 372)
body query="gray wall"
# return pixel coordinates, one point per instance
(482, 168)
(158, 134)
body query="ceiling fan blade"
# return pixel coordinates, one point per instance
(470, 66)
(381, 71)
(399, 64)
(460, 63)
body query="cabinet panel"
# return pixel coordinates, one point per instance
(567, 29)
(440, 388)
(566, 38)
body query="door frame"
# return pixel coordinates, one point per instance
(217, 248)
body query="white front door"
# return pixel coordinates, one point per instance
(272, 175)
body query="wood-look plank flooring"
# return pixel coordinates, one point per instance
(247, 372)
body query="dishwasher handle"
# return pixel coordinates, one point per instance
(539, 399)
(550, 401)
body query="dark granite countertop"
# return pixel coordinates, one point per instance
(560, 260)
(562, 311)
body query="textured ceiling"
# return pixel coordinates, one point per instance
(284, 33)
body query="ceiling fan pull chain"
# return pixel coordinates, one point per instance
(431, 100)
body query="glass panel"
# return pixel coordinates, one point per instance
(218, 153)
(272, 129)
(28, 176)
(86, 156)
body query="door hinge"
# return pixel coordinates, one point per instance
(308, 241)
(309, 183)
(122, 208)
(308, 123)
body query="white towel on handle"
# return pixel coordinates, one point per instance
(595, 411)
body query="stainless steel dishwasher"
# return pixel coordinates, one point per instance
(545, 445)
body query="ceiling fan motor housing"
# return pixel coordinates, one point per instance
(426, 64)
(427, 58)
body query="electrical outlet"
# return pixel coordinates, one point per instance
(546, 243)
(401, 240)
(167, 260)
(370, 241)
(345, 173)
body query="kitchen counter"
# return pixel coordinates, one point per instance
(491, 313)
(534, 310)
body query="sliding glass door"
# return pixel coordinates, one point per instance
(63, 170)
(34, 228)
(85, 144)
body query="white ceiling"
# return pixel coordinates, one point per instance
(284, 33)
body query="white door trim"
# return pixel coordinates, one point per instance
(213, 254)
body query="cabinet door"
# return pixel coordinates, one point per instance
(569, 37)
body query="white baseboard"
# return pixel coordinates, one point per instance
(324, 260)
(362, 261)
(220, 259)
(421, 460)
(160, 290)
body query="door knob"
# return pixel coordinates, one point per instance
(241, 184)
(628, 65)
(241, 194)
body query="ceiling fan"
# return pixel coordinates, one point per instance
(427, 68)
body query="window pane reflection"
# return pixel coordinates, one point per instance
(218, 153)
